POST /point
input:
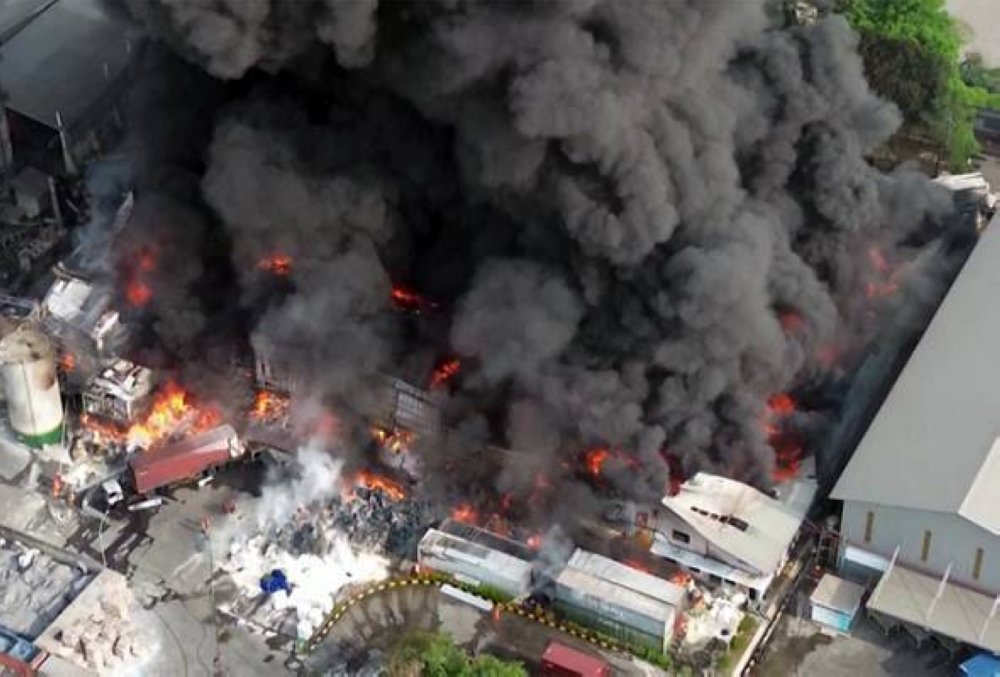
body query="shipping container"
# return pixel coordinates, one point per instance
(184, 460)
(616, 610)
(564, 661)
(473, 563)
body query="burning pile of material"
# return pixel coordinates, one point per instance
(325, 531)
(173, 412)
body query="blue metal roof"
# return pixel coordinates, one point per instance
(981, 665)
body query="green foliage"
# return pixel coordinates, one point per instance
(435, 655)
(974, 73)
(911, 51)
(740, 642)
(491, 593)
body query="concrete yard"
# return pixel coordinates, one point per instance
(800, 648)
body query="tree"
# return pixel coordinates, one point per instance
(426, 654)
(911, 51)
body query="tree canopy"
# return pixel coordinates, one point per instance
(426, 654)
(911, 51)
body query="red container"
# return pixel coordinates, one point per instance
(561, 660)
(160, 467)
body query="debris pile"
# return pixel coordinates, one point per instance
(34, 588)
(104, 638)
(315, 580)
(374, 521)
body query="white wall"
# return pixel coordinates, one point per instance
(953, 540)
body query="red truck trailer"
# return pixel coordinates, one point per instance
(562, 661)
(186, 459)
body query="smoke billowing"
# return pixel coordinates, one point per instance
(635, 221)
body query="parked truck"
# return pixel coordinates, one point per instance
(186, 459)
(563, 661)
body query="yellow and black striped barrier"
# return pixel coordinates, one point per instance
(338, 612)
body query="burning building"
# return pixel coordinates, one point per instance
(723, 530)
(120, 392)
(628, 268)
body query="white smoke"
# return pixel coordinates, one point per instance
(317, 580)
(318, 480)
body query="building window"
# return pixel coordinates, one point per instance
(869, 523)
(925, 549)
(977, 565)
(680, 536)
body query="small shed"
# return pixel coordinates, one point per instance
(835, 602)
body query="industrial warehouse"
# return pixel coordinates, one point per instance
(603, 339)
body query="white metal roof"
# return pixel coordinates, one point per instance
(609, 570)
(439, 544)
(616, 595)
(833, 592)
(771, 524)
(930, 447)
(959, 613)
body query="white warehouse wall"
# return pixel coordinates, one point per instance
(953, 540)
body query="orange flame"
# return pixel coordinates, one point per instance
(371, 481)
(535, 541)
(396, 441)
(268, 405)
(408, 300)
(445, 372)
(681, 578)
(781, 404)
(170, 411)
(67, 362)
(138, 293)
(276, 264)
(57, 485)
(464, 512)
(595, 460)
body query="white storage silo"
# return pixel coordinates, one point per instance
(31, 386)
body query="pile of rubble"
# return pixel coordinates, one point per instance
(34, 588)
(105, 637)
(368, 518)
(373, 521)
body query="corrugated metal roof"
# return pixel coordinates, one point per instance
(435, 541)
(616, 595)
(836, 593)
(959, 613)
(621, 574)
(770, 524)
(56, 62)
(930, 445)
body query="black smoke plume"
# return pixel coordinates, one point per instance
(636, 220)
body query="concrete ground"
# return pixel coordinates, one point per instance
(374, 625)
(800, 648)
(163, 553)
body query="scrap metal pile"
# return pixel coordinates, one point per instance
(370, 519)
